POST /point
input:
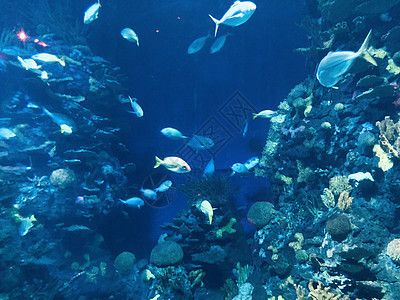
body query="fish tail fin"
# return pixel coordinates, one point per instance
(255, 116)
(217, 22)
(158, 162)
(62, 62)
(363, 51)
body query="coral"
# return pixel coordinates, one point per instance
(260, 213)
(166, 253)
(344, 201)
(338, 227)
(390, 136)
(62, 178)
(242, 274)
(338, 184)
(245, 292)
(384, 163)
(124, 262)
(328, 199)
(319, 292)
(393, 250)
(228, 229)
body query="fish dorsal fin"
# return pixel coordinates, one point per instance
(235, 3)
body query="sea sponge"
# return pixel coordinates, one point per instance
(62, 178)
(166, 254)
(339, 227)
(124, 262)
(260, 213)
(393, 250)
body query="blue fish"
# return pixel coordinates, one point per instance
(135, 202)
(209, 169)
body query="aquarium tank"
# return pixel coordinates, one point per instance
(199, 150)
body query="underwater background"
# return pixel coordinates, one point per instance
(147, 154)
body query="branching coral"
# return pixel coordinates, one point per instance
(319, 292)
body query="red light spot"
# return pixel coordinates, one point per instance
(22, 35)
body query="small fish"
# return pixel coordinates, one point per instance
(163, 187)
(198, 142)
(245, 128)
(32, 105)
(206, 208)
(130, 35)
(252, 162)
(135, 202)
(334, 65)
(209, 169)
(149, 194)
(66, 124)
(47, 57)
(265, 114)
(92, 13)
(197, 44)
(172, 133)
(136, 109)
(44, 75)
(218, 44)
(173, 164)
(28, 64)
(237, 14)
(6, 133)
(239, 168)
(26, 224)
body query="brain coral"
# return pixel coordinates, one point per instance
(62, 178)
(260, 213)
(166, 254)
(393, 250)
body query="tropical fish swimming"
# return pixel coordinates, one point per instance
(130, 35)
(209, 169)
(67, 126)
(47, 57)
(136, 108)
(239, 168)
(197, 44)
(135, 202)
(92, 13)
(6, 133)
(149, 194)
(266, 114)
(206, 208)
(336, 64)
(173, 164)
(172, 133)
(237, 14)
(251, 163)
(199, 142)
(163, 187)
(28, 64)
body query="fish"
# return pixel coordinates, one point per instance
(67, 126)
(239, 168)
(265, 114)
(136, 109)
(252, 162)
(173, 164)
(197, 44)
(206, 208)
(245, 128)
(209, 169)
(334, 65)
(218, 44)
(130, 35)
(26, 224)
(163, 187)
(47, 57)
(237, 14)
(172, 133)
(149, 194)
(6, 133)
(28, 64)
(92, 13)
(135, 202)
(198, 142)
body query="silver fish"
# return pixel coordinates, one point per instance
(237, 14)
(130, 35)
(92, 13)
(149, 194)
(136, 108)
(163, 187)
(172, 133)
(135, 202)
(336, 64)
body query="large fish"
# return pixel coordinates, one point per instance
(236, 15)
(334, 65)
